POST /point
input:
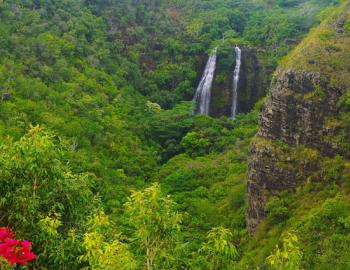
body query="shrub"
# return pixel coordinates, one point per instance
(277, 210)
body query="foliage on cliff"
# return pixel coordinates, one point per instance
(300, 169)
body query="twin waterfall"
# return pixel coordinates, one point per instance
(235, 81)
(203, 92)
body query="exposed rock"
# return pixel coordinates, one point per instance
(221, 89)
(294, 114)
(341, 23)
(254, 79)
(304, 123)
(5, 96)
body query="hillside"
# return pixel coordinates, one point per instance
(299, 170)
(104, 166)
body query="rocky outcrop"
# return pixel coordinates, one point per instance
(297, 108)
(295, 113)
(304, 124)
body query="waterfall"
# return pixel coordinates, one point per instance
(203, 92)
(235, 81)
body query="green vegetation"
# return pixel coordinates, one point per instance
(317, 210)
(289, 257)
(219, 252)
(102, 164)
(324, 50)
(155, 225)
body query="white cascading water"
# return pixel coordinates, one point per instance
(203, 92)
(235, 81)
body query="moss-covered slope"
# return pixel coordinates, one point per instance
(299, 171)
(326, 50)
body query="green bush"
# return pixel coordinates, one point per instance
(277, 210)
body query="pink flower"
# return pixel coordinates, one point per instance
(26, 244)
(5, 233)
(13, 250)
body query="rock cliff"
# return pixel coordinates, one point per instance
(253, 81)
(305, 121)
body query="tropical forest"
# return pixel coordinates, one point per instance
(175, 134)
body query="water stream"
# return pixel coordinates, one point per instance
(235, 81)
(203, 92)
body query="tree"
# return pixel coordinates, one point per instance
(103, 248)
(219, 250)
(39, 194)
(156, 225)
(287, 258)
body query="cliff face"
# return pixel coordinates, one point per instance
(305, 122)
(254, 79)
(252, 85)
(221, 89)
